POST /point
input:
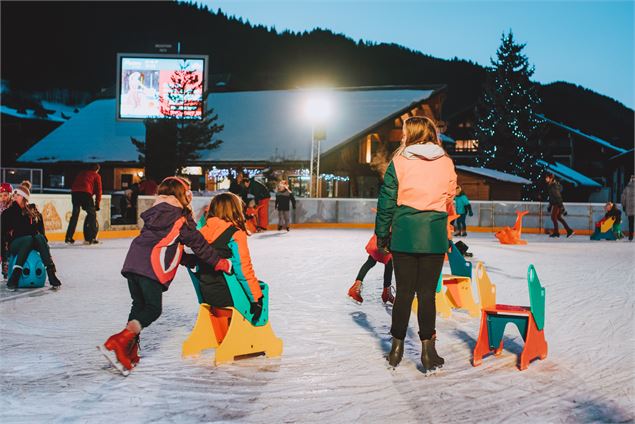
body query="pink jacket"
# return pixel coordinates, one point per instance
(427, 180)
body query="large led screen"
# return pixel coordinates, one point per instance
(160, 86)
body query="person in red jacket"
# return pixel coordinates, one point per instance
(86, 185)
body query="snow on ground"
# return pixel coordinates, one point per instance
(333, 368)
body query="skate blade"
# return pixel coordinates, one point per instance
(55, 288)
(432, 371)
(112, 358)
(353, 300)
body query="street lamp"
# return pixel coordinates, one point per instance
(317, 109)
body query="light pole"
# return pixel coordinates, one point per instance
(317, 110)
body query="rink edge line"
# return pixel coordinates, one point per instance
(115, 234)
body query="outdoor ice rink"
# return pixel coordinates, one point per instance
(332, 369)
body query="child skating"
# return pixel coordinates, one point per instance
(151, 265)
(226, 223)
(374, 255)
(463, 208)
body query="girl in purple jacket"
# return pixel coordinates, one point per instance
(151, 264)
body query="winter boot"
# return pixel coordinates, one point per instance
(12, 284)
(53, 280)
(117, 348)
(133, 354)
(396, 352)
(355, 292)
(386, 295)
(430, 359)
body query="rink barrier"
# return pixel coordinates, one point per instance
(489, 216)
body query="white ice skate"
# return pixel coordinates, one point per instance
(112, 358)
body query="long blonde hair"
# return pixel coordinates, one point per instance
(420, 130)
(228, 207)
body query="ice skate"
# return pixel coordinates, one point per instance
(12, 284)
(430, 359)
(116, 350)
(133, 354)
(554, 235)
(570, 232)
(396, 352)
(355, 292)
(53, 280)
(387, 296)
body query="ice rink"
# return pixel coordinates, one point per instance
(333, 368)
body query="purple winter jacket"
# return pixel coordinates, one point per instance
(157, 251)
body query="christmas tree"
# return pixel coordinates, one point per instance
(507, 124)
(186, 129)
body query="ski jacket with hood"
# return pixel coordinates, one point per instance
(241, 259)
(415, 199)
(156, 252)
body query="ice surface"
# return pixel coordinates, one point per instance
(332, 369)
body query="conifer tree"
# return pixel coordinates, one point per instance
(186, 129)
(507, 124)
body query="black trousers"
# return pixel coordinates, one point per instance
(631, 218)
(370, 262)
(214, 289)
(415, 273)
(84, 201)
(147, 297)
(556, 215)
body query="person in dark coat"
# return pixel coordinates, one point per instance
(152, 262)
(284, 199)
(261, 195)
(554, 190)
(23, 231)
(86, 185)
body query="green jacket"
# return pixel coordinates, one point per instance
(413, 230)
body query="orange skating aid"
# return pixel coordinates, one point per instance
(511, 235)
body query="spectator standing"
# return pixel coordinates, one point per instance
(86, 185)
(628, 204)
(284, 199)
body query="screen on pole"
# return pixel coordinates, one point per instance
(160, 86)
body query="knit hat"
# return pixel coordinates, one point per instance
(6, 188)
(23, 191)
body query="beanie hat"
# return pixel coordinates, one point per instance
(23, 191)
(6, 188)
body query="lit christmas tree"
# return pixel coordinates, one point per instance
(507, 126)
(186, 130)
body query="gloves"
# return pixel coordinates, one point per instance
(223, 265)
(382, 244)
(189, 260)
(256, 309)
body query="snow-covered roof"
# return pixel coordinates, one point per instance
(492, 173)
(259, 126)
(56, 116)
(568, 174)
(593, 138)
